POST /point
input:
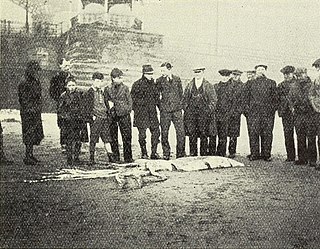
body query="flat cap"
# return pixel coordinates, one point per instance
(147, 69)
(261, 65)
(251, 71)
(316, 63)
(116, 72)
(236, 72)
(199, 68)
(288, 69)
(224, 72)
(167, 65)
(300, 70)
(97, 75)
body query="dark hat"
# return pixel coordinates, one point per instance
(316, 63)
(116, 72)
(287, 69)
(237, 72)
(265, 67)
(98, 76)
(70, 78)
(147, 69)
(198, 69)
(167, 65)
(224, 72)
(251, 71)
(300, 70)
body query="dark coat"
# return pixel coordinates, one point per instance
(314, 95)
(29, 93)
(90, 104)
(260, 97)
(229, 102)
(120, 96)
(204, 119)
(145, 99)
(58, 85)
(283, 95)
(171, 93)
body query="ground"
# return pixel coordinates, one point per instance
(262, 205)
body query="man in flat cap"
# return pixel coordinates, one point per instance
(171, 97)
(314, 97)
(199, 101)
(285, 112)
(260, 105)
(251, 74)
(304, 118)
(228, 111)
(118, 97)
(146, 99)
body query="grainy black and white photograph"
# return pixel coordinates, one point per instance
(160, 124)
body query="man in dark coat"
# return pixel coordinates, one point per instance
(57, 87)
(199, 100)
(304, 118)
(120, 101)
(314, 97)
(29, 92)
(228, 111)
(260, 105)
(146, 99)
(171, 93)
(285, 113)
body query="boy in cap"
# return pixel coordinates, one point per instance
(199, 101)
(304, 118)
(228, 111)
(146, 99)
(171, 92)
(71, 115)
(260, 105)
(57, 87)
(284, 111)
(314, 97)
(120, 100)
(100, 116)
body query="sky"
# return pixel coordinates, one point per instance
(276, 32)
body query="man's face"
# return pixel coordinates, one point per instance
(250, 76)
(98, 83)
(198, 74)
(71, 86)
(318, 68)
(225, 78)
(165, 71)
(288, 76)
(117, 80)
(260, 71)
(149, 76)
(65, 66)
(236, 77)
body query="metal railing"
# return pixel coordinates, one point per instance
(38, 28)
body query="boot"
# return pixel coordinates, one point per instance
(144, 153)
(77, 150)
(92, 162)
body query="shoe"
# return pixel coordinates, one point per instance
(130, 160)
(144, 156)
(290, 160)
(167, 157)
(69, 162)
(312, 164)
(155, 156)
(232, 156)
(29, 161)
(299, 162)
(267, 159)
(254, 158)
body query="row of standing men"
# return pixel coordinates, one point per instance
(205, 111)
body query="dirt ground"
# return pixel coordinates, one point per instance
(262, 205)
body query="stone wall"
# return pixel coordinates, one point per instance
(97, 47)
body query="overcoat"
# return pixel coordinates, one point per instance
(283, 95)
(205, 119)
(314, 97)
(29, 93)
(145, 99)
